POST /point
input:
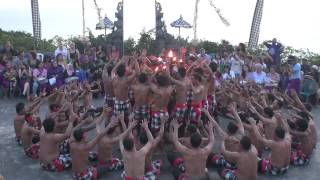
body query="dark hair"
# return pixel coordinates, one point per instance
(192, 128)
(143, 138)
(232, 128)
(109, 69)
(213, 66)
(53, 106)
(143, 78)
(33, 54)
(280, 133)
(291, 57)
(19, 107)
(268, 111)
(302, 125)
(271, 97)
(78, 134)
(121, 70)
(304, 115)
(128, 144)
(198, 71)
(280, 104)
(245, 143)
(308, 106)
(162, 80)
(195, 139)
(244, 117)
(182, 71)
(48, 125)
(197, 77)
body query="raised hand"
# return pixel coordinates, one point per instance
(144, 124)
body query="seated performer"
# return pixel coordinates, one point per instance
(134, 160)
(51, 158)
(193, 164)
(28, 131)
(280, 146)
(79, 150)
(301, 155)
(245, 159)
(19, 120)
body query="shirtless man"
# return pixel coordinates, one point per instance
(301, 155)
(87, 93)
(134, 160)
(150, 165)
(121, 84)
(182, 85)
(105, 144)
(20, 117)
(245, 159)
(141, 92)
(162, 93)
(193, 166)
(199, 94)
(235, 132)
(269, 122)
(79, 150)
(280, 146)
(28, 131)
(107, 85)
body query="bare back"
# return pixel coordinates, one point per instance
(280, 153)
(141, 94)
(79, 157)
(18, 123)
(134, 164)
(49, 147)
(120, 86)
(107, 85)
(247, 165)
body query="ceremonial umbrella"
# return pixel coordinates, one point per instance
(180, 23)
(105, 24)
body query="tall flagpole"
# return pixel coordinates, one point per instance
(83, 21)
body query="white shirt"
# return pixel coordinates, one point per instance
(236, 65)
(64, 53)
(259, 78)
(228, 76)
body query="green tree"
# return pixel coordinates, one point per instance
(129, 46)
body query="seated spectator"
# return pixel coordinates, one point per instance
(25, 76)
(19, 60)
(259, 76)
(273, 79)
(39, 78)
(228, 74)
(55, 75)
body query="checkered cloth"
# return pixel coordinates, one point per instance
(153, 174)
(113, 164)
(205, 104)
(62, 163)
(265, 167)
(299, 158)
(195, 112)
(32, 151)
(179, 169)
(227, 174)
(89, 174)
(156, 119)
(121, 106)
(141, 112)
(189, 96)
(64, 147)
(218, 161)
(36, 22)
(179, 111)
(109, 100)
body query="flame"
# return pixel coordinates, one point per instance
(174, 59)
(164, 67)
(180, 60)
(159, 59)
(157, 68)
(170, 54)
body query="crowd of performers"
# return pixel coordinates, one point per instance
(176, 110)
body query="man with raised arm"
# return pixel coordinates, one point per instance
(108, 85)
(193, 164)
(121, 83)
(134, 160)
(105, 144)
(28, 131)
(162, 93)
(79, 150)
(141, 92)
(182, 85)
(246, 160)
(280, 146)
(51, 157)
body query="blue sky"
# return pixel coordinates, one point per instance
(294, 22)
